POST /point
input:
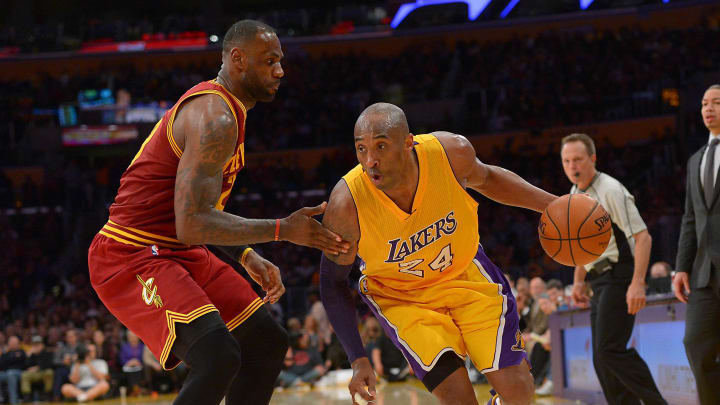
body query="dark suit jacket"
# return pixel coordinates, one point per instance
(699, 244)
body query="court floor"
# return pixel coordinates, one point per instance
(408, 393)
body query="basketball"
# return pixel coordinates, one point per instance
(574, 230)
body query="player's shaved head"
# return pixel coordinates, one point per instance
(382, 119)
(243, 31)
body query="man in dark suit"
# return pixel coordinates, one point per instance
(697, 281)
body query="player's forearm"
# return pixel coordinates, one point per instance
(508, 188)
(579, 276)
(643, 245)
(215, 227)
(340, 308)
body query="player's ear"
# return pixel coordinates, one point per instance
(409, 141)
(238, 57)
(593, 158)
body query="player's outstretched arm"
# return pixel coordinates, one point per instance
(205, 130)
(494, 182)
(341, 217)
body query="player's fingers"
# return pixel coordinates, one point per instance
(276, 292)
(332, 237)
(316, 210)
(686, 286)
(365, 394)
(371, 385)
(326, 242)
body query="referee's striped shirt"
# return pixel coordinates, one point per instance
(620, 204)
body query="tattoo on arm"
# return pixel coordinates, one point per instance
(209, 144)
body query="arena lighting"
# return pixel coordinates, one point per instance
(509, 8)
(475, 8)
(584, 4)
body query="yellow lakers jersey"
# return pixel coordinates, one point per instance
(433, 243)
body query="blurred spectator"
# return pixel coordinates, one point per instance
(310, 329)
(88, 377)
(535, 336)
(294, 325)
(537, 318)
(660, 281)
(65, 355)
(131, 357)
(12, 363)
(157, 378)
(335, 354)
(556, 294)
(524, 304)
(370, 334)
(302, 363)
(106, 350)
(318, 312)
(39, 369)
(540, 357)
(388, 361)
(522, 285)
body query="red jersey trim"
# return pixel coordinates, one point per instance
(136, 237)
(172, 318)
(152, 133)
(171, 139)
(237, 100)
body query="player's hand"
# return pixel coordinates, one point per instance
(266, 274)
(635, 297)
(579, 295)
(363, 376)
(301, 229)
(681, 285)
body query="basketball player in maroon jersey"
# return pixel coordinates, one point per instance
(149, 263)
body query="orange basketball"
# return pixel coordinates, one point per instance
(575, 229)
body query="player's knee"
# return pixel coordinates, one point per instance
(525, 389)
(520, 391)
(216, 353)
(264, 336)
(278, 340)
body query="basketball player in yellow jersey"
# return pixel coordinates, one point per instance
(406, 214)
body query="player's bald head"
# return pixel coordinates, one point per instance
(243, 31)
(382, 118)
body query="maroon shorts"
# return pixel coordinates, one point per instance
(150, 289)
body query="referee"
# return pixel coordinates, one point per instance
(617, 279)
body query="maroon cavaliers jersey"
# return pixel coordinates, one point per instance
(143, 213)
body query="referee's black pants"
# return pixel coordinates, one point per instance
(624, 377)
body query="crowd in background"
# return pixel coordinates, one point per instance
(525, 83)
(28, 28)
(54, 330)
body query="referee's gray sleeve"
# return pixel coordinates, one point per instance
(623, 212)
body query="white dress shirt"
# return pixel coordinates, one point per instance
(704, 158)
